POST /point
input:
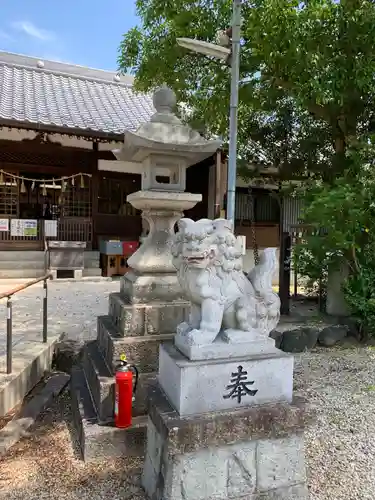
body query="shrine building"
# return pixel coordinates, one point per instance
(59, 176)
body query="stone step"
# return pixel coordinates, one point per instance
(22, 255)
(151, 319)
(92, 271)
(21, 264)
(142, 351)
(101, 441)
(92, 264)
(100, 381)
(102, 385)
(91, 255)
(21, 273)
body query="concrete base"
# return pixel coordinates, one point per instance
(251, 453)
(31, 360)
(195, 387)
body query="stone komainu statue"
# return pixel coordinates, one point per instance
(210, 271)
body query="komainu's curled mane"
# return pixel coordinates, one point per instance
(209, 268)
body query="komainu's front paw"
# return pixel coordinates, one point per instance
(183, 329)
(191, 337)
(194, 337)
(200, 337)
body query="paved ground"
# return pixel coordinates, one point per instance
(72, 310)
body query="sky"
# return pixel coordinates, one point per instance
(84, 32)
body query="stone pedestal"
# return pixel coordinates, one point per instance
(153, 276)
(225, 426)
(252, 453)
(336, 304)
(202, 386)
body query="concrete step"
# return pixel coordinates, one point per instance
(102, 385)
(92, 264)
(92, 259)
(92, 271)
(142, 351)
(100, 382)
(21, 264)
(22, 255)
(92, 254)
(21, 273)
(101, 441)
(146, 319)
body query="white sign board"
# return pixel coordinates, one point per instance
(30, 227)
(24, 227)
(16, 227)
(50, 228)
(4, 224)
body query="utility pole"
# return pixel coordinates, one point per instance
(233, 116)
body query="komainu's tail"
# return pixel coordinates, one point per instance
(261, 275)
(268, 309)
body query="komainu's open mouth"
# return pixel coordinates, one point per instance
(196, 258)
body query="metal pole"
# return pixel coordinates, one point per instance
(233, 116)
(45, 296)
(9, 335)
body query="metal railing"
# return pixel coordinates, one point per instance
(8, 295)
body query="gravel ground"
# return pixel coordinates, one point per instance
(46, 465)
(340, 447)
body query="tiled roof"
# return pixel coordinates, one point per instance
(65, 96)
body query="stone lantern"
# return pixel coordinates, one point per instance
(165, 148)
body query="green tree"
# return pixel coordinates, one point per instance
(313, 58)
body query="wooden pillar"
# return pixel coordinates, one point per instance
(217, 186)
(94, 193)
(223, 185)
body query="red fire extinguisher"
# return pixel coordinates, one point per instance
(125, 387)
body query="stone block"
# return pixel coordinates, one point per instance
(146, 319)
(77, 274)
(102, 385)
(149, 288)
(223, 455)
(212, 473)
(100, 381)
(224, 347)
(295, 492)
(299, 339)
(98, 442)
(141, 351)
(280, 462)
(330, 335)
(195, 387)
(128, 319)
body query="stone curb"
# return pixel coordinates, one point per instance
(17, 427)
(84, 279)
